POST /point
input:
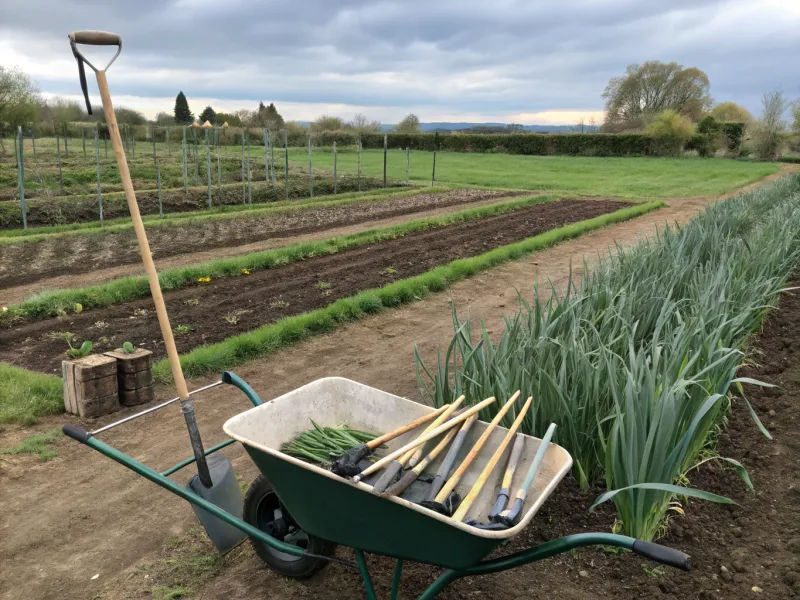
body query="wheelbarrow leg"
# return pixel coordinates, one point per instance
(398, 571)
(361, 561)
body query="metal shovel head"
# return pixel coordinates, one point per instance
(448, 507)
(347, 464)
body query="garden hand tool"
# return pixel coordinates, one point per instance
(411, 475)
(347, 464)
(445, 503)
(424, 438)
(490, 466)
(450, 458)
(509, 517)
(505, 488)
(397, 465)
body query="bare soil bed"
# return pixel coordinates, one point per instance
(210, 312)
(86, 253)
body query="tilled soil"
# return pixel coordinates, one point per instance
(85, 253)
(208, 313)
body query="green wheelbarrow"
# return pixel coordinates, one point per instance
(295, 513)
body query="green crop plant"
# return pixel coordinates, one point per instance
(128, 348)
(636, 364)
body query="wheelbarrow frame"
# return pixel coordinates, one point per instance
(567, 543)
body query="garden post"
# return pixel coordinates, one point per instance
(266, 153)
(435, 143)
(33, 141)
(66, 147)
(385, 137)
(358, 143)
(183, 151)
(153, 135)
(208, 168)
(97, 164)
(272, 156)
(160, 198)
(310, 173)
(334, 167)
(21, 175)
(407, 148)
(286, 160)
(60, 173)
(244, 191)
(249, 171)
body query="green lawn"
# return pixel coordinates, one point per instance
(638, 177)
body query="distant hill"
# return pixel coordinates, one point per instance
(446, 126)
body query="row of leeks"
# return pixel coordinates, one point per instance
(635, 365)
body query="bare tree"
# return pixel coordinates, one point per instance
(770, 135)
(409, 124)
(361, 123)
(592, 124)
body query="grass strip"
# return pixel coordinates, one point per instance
(59, 302)
(17, 236)
(265, 340)
(26, 395)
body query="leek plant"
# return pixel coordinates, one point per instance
(635, 365)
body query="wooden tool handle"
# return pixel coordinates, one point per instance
(141, 237)
(95, 38)
(513, 461)
(473, 453)
(411, 476)
(408, 427)
(467, 502)
(411, 458)
(423, 438)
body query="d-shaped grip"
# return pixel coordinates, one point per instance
(95, 38)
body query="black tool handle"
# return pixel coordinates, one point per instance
(95, 38)
(663, 554)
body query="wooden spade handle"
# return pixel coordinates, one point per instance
(467, 502)
(473, 453)
(423, 438)
(412, 456)
(407, 427)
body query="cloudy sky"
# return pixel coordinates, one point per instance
(533, 62)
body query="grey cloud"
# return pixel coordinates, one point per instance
(497, 57)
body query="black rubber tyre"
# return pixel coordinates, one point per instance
(261, 507)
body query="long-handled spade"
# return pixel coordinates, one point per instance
(445, 503)
(469, 499)
(216, 486)
(397, 465)
(447, 425)
(347, 465)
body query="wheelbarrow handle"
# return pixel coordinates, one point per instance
(663, 554)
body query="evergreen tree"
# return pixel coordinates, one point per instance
(183, 116)
(208, 114)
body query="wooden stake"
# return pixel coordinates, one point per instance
(467, 502)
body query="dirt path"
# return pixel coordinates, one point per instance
(227, 306)
(79, 515)
(383, 213)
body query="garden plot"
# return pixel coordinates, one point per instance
(211, 311)
(88, 250)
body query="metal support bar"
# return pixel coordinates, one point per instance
(188, 461)
(152, 409)
(398, 572)
(361, 561)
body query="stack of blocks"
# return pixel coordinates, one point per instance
(96, 385)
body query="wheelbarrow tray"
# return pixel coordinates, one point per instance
(335, 509)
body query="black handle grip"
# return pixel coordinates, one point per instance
(663, 554)
(76, 433)
(95, 38)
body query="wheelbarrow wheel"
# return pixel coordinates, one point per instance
(263, 509)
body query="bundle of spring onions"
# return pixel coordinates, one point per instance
(322, 444)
